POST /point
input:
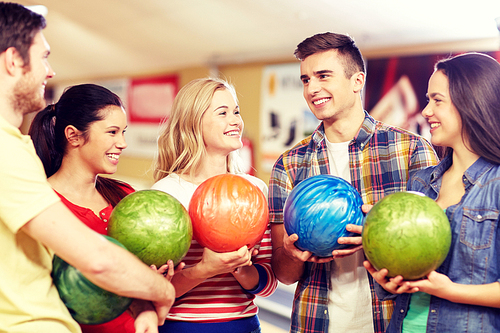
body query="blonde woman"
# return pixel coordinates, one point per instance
(215, 291)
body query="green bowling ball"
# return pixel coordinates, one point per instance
(153, 225)
(408, 234)
(86, 302)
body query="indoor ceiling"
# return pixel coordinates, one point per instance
(109, 38)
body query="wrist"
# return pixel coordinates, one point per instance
(450, 292)
(198, 272)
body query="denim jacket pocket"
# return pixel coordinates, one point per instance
(478, 227)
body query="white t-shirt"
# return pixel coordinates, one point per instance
(183, 190)
(349, 300)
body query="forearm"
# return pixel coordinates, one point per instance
(102, 262)
(286, 269)
(124, 274)
(187, 279)
(482, 295)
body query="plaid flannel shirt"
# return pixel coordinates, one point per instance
(381, 160)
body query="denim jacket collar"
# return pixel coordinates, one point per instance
(476, 171)
(471, 175)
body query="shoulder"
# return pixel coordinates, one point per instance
(383, 128)
(298, 153)
(115, 184)
(168, 182)
(256, 181)
(424, 173)
(177, 187)
(420, 180)
(389, 133)
(125, 187)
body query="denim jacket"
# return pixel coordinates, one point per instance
(474, 256)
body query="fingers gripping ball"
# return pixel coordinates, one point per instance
(87, 303)
(318, 210)
(228, 212)
(408, 234)
(153, 225)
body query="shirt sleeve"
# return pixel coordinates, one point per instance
(25, 191)
(279, 188)
(267, 280)
(423, 156)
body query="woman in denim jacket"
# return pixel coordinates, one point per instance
(463, 295)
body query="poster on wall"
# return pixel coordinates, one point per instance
(395, 91)
(149, 101)
(285, 118)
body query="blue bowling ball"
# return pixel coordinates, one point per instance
(318, 210)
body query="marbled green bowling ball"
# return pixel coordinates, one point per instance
(408, 234)
(153, 225)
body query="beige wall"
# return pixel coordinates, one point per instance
(246, 80)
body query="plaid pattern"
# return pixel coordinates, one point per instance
(381, 160)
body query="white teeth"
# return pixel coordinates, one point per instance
(231, 133)
(434, 125)
(113, 156)
(319, 101)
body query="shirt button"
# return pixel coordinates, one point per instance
(326, 311)
(479, 217)
(105, 220)
(102, 214)
(402, 311)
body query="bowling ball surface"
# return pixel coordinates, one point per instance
(318, 210)
(228, 211)
(86, 302)
(408, 234)
(153, 225)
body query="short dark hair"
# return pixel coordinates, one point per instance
(474, 84)
(344, 44)
(18, 27)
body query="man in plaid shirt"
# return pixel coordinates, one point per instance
(336, 294)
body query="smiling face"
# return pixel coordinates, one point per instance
(105, 141)
(328, 92)
(222, 125)
(28, 94)
(442, 115)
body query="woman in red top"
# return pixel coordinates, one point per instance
(79, 137)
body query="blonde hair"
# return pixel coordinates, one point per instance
(180, 143)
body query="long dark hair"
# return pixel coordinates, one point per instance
(79, 106)
(474, 83)
(18, 27)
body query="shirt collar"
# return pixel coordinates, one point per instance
(366, 131)
(471, 175)
(361, 139)
(475, 171)
(12, 130)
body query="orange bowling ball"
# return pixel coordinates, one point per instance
(227, 212)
